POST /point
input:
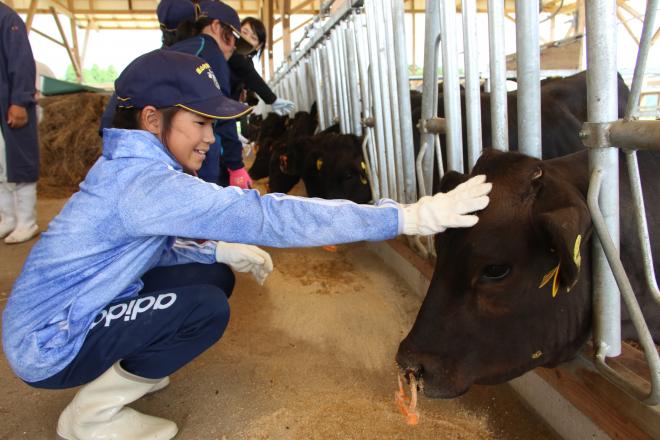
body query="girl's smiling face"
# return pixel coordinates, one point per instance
(189, 139)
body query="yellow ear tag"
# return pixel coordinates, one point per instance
(363, 165)
(537, 354)
(319, 164)
(576, 251)
(554, 276)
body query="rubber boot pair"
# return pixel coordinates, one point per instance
(98, 410)
(18, 213)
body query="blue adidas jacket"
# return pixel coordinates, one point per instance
(122, 223)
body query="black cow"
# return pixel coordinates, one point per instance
(514, 292)
(272, 130)
(280, 178)
(334, 168)
(563, 110)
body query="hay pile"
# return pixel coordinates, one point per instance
(69, 141)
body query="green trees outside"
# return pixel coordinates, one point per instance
(95, 75)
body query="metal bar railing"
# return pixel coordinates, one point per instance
(602, 108)
(472, 93)
(424, 161)
(406, 123)
(498, 105)
(529, 88)
(632, 135)
(451, 86)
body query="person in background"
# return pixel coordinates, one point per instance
(19, 146)
(215, 38)
(98, 315)
(243, 74)
(170, 13)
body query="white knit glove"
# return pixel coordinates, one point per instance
(245, 258)
(433, 214)
(282, 106)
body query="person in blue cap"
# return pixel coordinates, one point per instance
(19, 146)
(243, 74)
(131, 303)
(216, 37)
(171, 13)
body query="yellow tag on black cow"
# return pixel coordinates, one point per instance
(554, 276)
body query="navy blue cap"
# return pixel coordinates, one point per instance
(165, 78)
(171, 13)
(227, 15)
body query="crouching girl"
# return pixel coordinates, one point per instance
(110, 299)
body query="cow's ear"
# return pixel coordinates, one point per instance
(450, 180)
(568, 229)
(314, 110)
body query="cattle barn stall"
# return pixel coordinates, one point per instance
(353, 65)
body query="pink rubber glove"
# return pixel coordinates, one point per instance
(240, 178)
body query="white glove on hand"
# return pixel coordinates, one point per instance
(433, 214)
(282, 106)
(245, 258)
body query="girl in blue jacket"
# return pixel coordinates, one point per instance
(110, 299)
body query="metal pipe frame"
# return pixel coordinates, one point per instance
(408, 153)
(424, 161)
(366, 105)
(393, 94)
(651, 397)
(318, 90)
(497, 79)
(529, 81)
(472, 92)
(353, 83)
(602, 97)
(451, 86)
(383, 136)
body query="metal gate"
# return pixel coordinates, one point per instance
(356, 72)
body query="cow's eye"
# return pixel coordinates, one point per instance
(495, 272)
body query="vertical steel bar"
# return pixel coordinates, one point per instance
(424, 161)
(631, 156)
(382, 140)
(352, 64)
(529, 79)
(390, 63)
(343, 65)
(318, 89)
(408, 153)
(602, 98)
(451, 87)
(366, 102)
(642, 55)
(339, 79)
(472, 93)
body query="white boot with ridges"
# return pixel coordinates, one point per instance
(7, 209)
(26, 213)
(98, 411)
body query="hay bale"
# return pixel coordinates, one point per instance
(69, 141)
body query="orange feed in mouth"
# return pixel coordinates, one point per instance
(407, 405)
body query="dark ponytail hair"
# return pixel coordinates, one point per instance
(185, 29)
(259, 29)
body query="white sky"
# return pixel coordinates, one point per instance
(119, 47)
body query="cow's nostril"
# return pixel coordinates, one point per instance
(415, 371)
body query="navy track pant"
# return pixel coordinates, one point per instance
(181, 311)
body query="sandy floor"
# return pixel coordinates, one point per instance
(307, 356)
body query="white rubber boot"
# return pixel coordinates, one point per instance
(26, 213)
(7, 209)
(97, 412)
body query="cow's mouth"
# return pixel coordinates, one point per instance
(432, 385)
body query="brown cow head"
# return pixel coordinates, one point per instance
(511, 293)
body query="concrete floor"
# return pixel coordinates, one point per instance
(307, 356)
